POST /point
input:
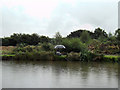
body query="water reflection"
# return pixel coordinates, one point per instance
(59, 74)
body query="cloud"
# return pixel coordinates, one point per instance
(67, 18)
(46, 17)
(119, 14)
(18, 22)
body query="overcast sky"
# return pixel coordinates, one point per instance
(46, 17)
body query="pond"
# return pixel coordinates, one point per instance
(59, 74)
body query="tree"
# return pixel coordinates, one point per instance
(58, 38)
(0, 41)
(35, 39)
(5, 41)
(85, 37)
(110, 34)
(44, 39)
(117, 33)
(78, 33)
(100, 33)
(111, 39)
(16, 37)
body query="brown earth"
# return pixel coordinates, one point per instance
(6, 48)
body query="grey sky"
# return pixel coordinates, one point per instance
(46, 17)
(119, 14)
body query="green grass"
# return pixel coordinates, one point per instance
(62, 57)
(7, 55)
(111, 56)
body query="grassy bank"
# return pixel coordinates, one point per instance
(47, 55)
(114, 58)
(75, 51)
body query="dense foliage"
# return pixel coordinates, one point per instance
(94, 35)
(27, 39)
(74, 45)
(78, 41)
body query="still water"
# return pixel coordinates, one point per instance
(59, 74)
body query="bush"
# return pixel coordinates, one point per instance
(43, 55)
(87, 56)
(74, 45)
(84, 56)
(85, 37)
(27, 49)
(23, 49)
(47, 46)
(73, 56)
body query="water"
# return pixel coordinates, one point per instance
(58, 74)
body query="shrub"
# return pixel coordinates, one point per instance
(21, 45)
(73, 56)
(47, 46)
(27, 49)
(22, 49)
(42, 55)
(74, 45)
(84, 56)
(85, 37)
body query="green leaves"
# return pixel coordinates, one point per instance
(100, 33)
(74, 45)
(85, 37)
(58, 38)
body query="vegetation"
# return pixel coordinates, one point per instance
(112, 58)
(74, 45)
(27, 39)
(58, 38)
(85, 37)
(98, 33)
(81, 45)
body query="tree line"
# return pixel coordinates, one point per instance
(84, 35)
(27, 39)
